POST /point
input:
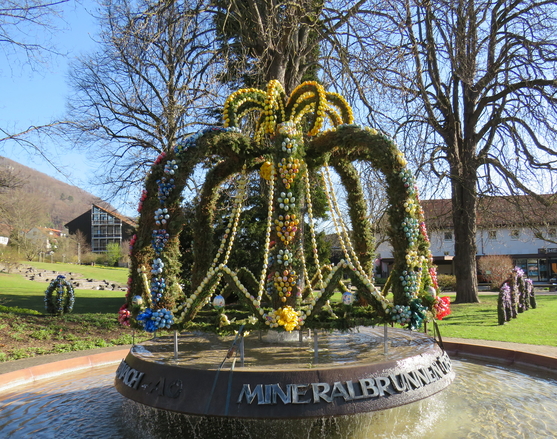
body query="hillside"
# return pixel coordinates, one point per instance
(61, 201)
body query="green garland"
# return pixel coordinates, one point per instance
(277, 142)
(59, 297)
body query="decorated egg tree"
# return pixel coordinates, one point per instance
(310, 131)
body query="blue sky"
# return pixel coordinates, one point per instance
(38, 96)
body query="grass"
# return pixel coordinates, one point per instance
(19, 292)
(114, 274)
(26, 332)
(479, 321)
(24, 336)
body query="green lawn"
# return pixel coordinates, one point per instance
(472, 321)
(92, 323)
(17, 291)
(114, 274)
(479, 321)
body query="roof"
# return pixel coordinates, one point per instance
(50, 231)
(5, 229)
(505, 211)
(46, 231)
(109, 210)
(116, 214)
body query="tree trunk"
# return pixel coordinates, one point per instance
(464, 200)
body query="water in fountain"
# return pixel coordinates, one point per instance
(485, 401)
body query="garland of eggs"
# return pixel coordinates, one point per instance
(155, 319)
(59, 297)
(284, 269)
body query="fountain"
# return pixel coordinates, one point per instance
(304, 357)
(486, 400)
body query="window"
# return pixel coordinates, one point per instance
(515, 234)
(448, 236)
(492, 235)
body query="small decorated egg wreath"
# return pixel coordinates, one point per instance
(59, 297)
(308, 132)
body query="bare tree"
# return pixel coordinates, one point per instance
(25, 26)
(9, 179)
(476, 81)
(495, 269)
(263, 40)
(156, 74)
(23, 211)
(376, 196)
(148, 86)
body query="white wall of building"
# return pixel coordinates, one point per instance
(502, 241)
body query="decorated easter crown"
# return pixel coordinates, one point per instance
(311, 131)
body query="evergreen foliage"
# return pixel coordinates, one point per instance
(59, 296)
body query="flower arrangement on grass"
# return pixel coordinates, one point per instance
(516, 295)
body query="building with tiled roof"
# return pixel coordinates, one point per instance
(521, 227)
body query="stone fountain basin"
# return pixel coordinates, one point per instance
(323, 375)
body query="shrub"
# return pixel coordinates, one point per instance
(446, 282)
(88, 258)
(17, 310)
(495, 269)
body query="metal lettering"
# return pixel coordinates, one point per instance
(367, 385)
(159, 386)
(412, 380)
(339, 390)
(297, 390)
(122, 370)
(174, 389)
(436, 371)
(445, 363)
(294, 393)
(352, 391)
(133, 378)
(321, 394)
(284, 397)
(383, 385)
(398, 384)
(320, 391)
(430, 374)
(268, 393)
(250, 396)
(424, 377)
